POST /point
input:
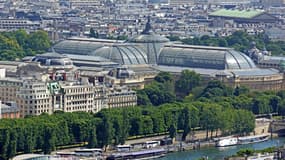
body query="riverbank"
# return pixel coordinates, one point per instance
(217, 153)
(199, 139)
(194, 142)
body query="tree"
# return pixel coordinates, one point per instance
(261, 105)
(187, 81)
(226, 121)
(222, 43)
(273, 102)
(39, 41)
(157, 119)
(241, 90)
(247, 152)
(105, 132)
(210, 118)
(29, 139)
(136, 126)
(147, 125)
(216, 88)
(21, 37)
(125, 127)
(92, 139)
(242, 102)
(244, 122)
(281, 108)
(4, 143)
(93, 33)
(163, 77)
(159, 93)
(49, 140)
(142, 98)
(12, 147)
(185, 122)
(188, 119)
(172, 131)
(275, 49)
(239, 40)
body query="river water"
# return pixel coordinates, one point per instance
(215, 153)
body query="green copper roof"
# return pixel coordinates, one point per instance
(54, 87)
(237, 13)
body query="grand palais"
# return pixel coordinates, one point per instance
(140, 58)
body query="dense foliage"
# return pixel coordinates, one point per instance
(160, 91)
(45, 132)
(113, 126)
(19, 44)
(239, 40)
(165, 89)
(165, 86)
(251, 152)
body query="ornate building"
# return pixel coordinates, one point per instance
(156, 52)
(49, 83)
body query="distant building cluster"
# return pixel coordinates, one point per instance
(89, 74)
(111, 19)
(50, 83)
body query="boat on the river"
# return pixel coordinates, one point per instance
(226, 141)
(231, 141)
(253, 139)
(138, 155)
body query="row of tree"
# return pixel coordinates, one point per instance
(239, 40)
(19, 44)
(45, 132)
(114, 126)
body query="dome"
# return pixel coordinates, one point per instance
(151, 42)
(204, 57)
(122, 54)
(52, 59)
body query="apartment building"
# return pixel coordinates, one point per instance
(78, 97)
(34, 98)
(47, 92)
(100, 97)
(121, 97)
(15, 24)
(9, 87)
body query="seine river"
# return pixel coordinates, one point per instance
(214, 153)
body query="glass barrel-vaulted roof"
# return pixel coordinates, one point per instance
(237, 60)
(148, 38)
(80, 46)
(122, 53)
(204, 57)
